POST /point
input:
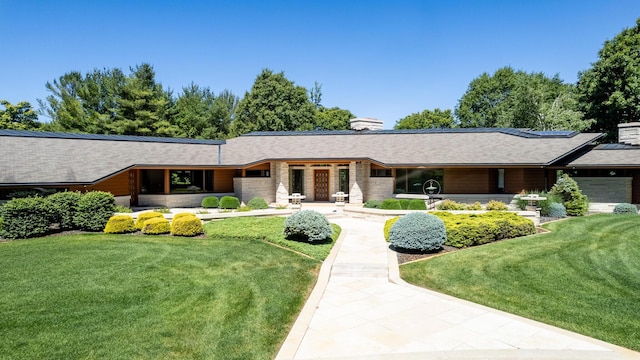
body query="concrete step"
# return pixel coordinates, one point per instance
(360, 270)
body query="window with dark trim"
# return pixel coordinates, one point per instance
(257, 173)
(380, 172)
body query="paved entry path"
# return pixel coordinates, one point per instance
(360, 309)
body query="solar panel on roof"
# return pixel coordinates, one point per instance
(54, 135)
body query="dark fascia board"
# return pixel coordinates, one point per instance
(132, 138)
(526, 133)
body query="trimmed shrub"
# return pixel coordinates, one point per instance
(465, 230)
(307, 225)
(65, 206)
(120, 224)
(25, 217)
(390, 204)
(183, 214)
(94, 210)
(257, 203)
(387, 226)
(404, 203)
(142, 217)
(156, 226)
(495, 205)
(416, 204)
(475, 206)
(572, 198)
(229, 202)
(449, 204)
(372, 204)
(625, 209)
(210, 202)
(186, 226)
(418, 232)
(556, 210)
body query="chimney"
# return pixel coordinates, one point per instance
(629, 133)
(366, 124)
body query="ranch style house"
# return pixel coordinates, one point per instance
(366, 162)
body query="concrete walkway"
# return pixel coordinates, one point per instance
(361, 309)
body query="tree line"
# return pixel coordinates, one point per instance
(109, 101)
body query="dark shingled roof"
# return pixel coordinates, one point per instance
(57, 158)
(609, 155)
(430, 147)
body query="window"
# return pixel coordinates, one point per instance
(343, 180)
(296, 181)
(152, 181)
(190, 181)
(257, 173)
(412, 181)
(380, 172)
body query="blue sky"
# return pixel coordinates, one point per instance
(381, 59)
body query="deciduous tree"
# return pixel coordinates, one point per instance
(427, 120)
(274, 104)
(610, 89)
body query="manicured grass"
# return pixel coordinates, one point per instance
(583, 276)
(149, 297)
(268, 229)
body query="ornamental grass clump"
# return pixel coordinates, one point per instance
(142, 217)
(495, 205)
(156, 226)
(307, 225)
(120, 224)
(186, 226)
(625, 208)
(419, 232)
(257, 203)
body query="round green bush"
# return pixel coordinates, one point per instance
(404, 203)
(625, 208)
(25, 217)
(210, 202)
(156, 226)
(418, 232)
(372, 204)
(94, 210)
(387, 226)
(416, 204)
(120, 224)
(391, 204)
(556, 210)
(65, 206)
(186, 226)
(142, 217)
(229, 202)
(307, 225)
(257, 203)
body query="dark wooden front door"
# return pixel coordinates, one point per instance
(321, 185)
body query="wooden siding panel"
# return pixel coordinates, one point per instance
(516, 180)
(223, 180)
(467, 181)
(118, 185)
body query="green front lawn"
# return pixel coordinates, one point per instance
(584, 276)
(150, 297)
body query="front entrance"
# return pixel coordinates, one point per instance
(321, 185)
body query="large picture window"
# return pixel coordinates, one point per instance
(190, 181)
(411, 181)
